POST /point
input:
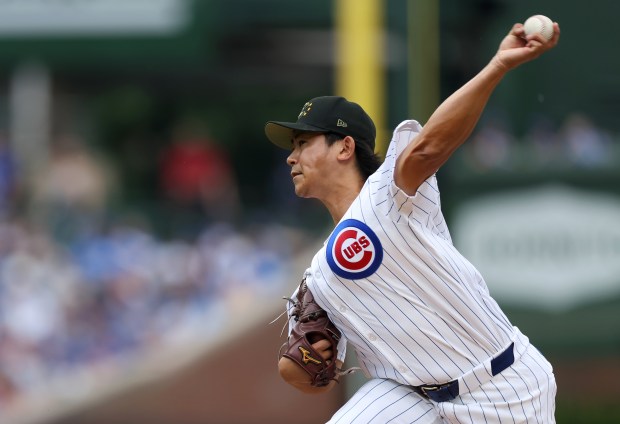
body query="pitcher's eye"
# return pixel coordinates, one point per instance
(299, 143)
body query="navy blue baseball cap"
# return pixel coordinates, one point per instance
(326, 114)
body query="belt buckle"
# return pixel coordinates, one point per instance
(440, 392)
(430, 389)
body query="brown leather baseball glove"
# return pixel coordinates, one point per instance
(311, 325)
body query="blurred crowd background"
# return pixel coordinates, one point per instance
(141, 205)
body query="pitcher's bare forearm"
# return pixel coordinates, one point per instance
(454, 120)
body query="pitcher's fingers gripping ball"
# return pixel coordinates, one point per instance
(312, 325)
(539, 24)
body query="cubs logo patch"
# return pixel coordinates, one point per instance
(353, 250)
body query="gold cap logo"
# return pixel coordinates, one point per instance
(304, 110)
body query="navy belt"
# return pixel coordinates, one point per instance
(448, 391)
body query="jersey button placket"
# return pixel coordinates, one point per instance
(372, 337)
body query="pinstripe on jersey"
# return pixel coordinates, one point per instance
(424, 315)
(523, 393)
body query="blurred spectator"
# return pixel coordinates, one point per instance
(542, 138)
(70, 194)
(198, 180)
(491, 146)
(587, 145)
(111, 296)
(8, 178)
(8, 391)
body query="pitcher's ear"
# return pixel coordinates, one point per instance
(347, 147)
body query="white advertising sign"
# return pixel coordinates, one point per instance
(30, 18)
(552, 247)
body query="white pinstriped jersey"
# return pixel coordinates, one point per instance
(414, 308)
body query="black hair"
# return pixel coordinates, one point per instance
(367, 160)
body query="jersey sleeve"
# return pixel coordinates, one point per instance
(424, 207)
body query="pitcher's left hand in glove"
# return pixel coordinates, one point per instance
(312, 325)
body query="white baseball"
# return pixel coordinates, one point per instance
(539, 24)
